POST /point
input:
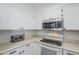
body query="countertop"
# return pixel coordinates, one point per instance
(71, 46)
(8, 46)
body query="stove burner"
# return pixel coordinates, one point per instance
(53, 42)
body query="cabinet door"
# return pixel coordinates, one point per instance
(25, 50)
(38, 22)
(50, 12)
(30, 49)
(27, 16)
(11, 52)
(71, 17)
(36, 50)
(10, 16)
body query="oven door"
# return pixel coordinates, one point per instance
(47, 50)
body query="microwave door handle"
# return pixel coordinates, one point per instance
(70, 54)
(54, 25)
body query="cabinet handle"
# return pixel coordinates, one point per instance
(22, 51)
(64, 28)
(19, 52)
(12, 52)
(70, 54)
(28, 45)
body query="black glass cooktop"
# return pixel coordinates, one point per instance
(53, 42)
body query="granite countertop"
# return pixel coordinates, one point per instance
(8, 46)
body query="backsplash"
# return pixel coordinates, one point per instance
(5, 34)
(49, 33)
(72, 36)
(69, 36)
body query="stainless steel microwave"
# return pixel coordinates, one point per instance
(57, 24)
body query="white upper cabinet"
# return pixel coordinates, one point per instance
(30, 16)
(10, 17)
(16, 16)
(71, 17)
(27, 16)
(52, 13)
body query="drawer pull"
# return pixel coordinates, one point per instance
(19, 52)
(12, 52)
(28, 45)
(70, 54)
(22, 51)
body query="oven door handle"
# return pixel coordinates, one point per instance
(45, 45)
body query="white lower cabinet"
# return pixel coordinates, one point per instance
(11, 52)
(35, 48)
(28, 49)
(66, 52)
